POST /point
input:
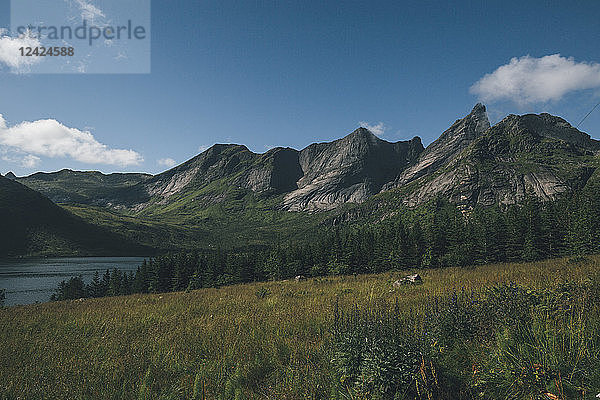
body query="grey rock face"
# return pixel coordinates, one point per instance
(447, 147)
(466, 185)
(529, 154)
(320, 177)
(276, 171)
(219, 161)
(350, 169)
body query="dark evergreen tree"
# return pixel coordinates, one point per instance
(95, 288)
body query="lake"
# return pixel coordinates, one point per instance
(34, 280)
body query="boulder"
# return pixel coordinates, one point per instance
(300, 278)
(409, 280)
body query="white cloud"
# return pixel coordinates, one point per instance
(529, 80)
(16, 157)
(167, 162)
(377, 129)
(10, 54)
(30, 161)
(50, 138)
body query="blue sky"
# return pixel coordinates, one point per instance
(290, 73)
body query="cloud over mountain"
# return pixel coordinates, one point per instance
(376, 129)
(531, 80)
(50, 138)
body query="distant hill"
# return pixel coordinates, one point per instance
(34, 225)
(91, 187)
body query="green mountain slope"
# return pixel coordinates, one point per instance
(34, 225)
(190, 220)
(90, 187)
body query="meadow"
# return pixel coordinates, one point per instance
(519, 330)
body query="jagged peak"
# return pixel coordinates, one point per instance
(479, 113)
(471, 126)
(364, 135)
(10, 175)
(478, 108)
(416, 139)
(359, 136)
(363, 132)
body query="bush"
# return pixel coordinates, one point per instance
(376, 356)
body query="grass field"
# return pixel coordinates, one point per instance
(275, 340)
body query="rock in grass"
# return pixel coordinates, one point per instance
(409, 280)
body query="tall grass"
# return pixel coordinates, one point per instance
(280, 340)
(502, 342)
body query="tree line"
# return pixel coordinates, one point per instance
(435, 235)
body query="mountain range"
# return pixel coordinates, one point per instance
(231, 195)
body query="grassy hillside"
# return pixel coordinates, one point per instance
(282, 340)
(89, 187)
(216, 214)
(33, 225)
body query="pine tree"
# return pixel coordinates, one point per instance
(95, 288)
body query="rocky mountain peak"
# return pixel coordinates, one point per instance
(10, 176)
(471, 126)
(545, 125)
(470, 163)
(479, 116)
(447, 147)
(350, 169)
(497, 167)
(363, 133)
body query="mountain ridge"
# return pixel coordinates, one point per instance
(472, 162)
(231, 196)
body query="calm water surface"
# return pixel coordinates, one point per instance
(34, 280)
